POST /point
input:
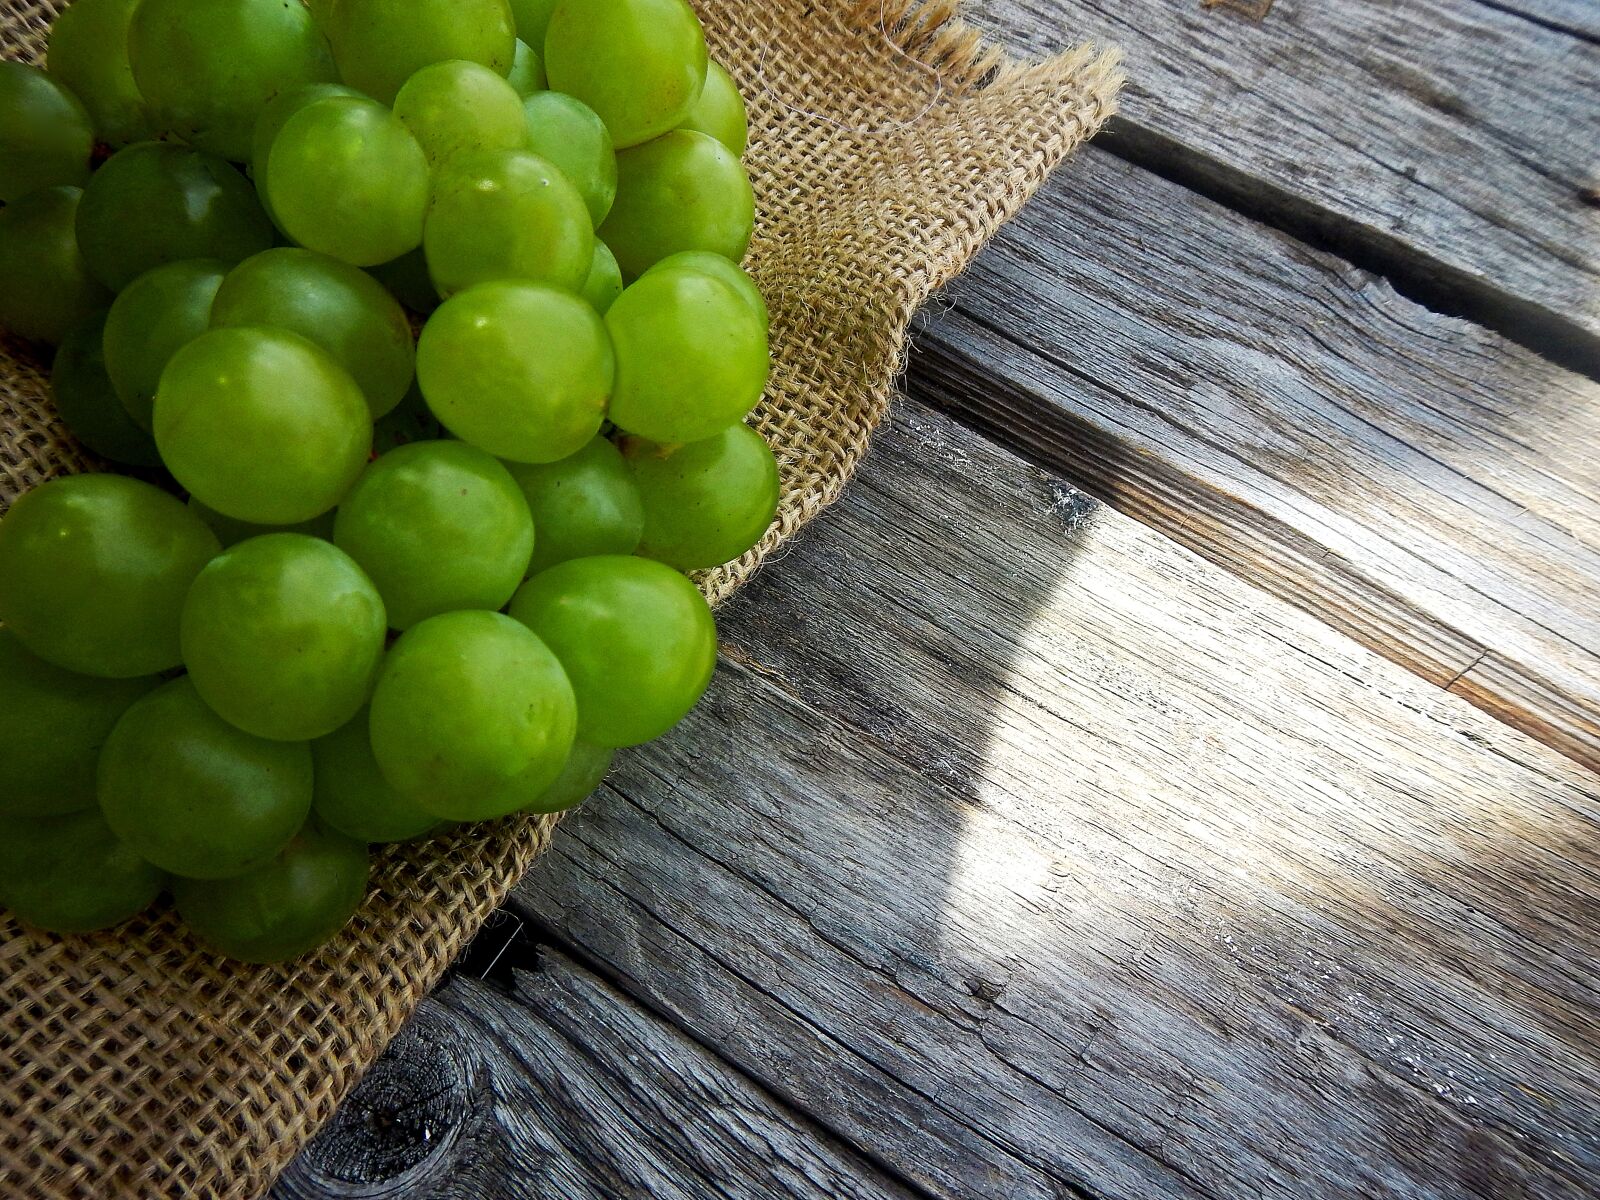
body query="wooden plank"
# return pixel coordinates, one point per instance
(562, 1087)
(1422, 484)
(1451, 141)
(1036, 856)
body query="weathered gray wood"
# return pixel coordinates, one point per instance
(1451, 140)
(1424, 485)
(1035, 856)
(565, 1088)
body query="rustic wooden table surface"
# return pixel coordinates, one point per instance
(1170, 771)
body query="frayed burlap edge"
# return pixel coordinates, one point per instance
(889, 141)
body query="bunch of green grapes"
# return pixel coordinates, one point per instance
(422, 329)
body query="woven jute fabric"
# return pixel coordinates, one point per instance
(888, 142)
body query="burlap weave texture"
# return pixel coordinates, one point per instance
(888, 142)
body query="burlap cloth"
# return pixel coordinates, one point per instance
(132, 1064)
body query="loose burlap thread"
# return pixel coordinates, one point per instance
(888, 142)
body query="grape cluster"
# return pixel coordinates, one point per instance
(360, 584)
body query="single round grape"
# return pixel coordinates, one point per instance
(261, 425)
(88, 403)
(636, 638)
(691, 356)
(439, 526)
(724, 269)
(517, 369)
(346, 178)
(196, 796)
(640, 64)
(527, 70)
(604, 284)
(339, 307)
(231, 532)
(706, 502)
(71, 874)
(571, 135)
(379, 44)
(206, 67)
(585, 770)
(52, 725)
(152, 203)
(282, 635)
(353, 797)
(472, 717)
(583, 505)
(407, 279)
(46, 136)
(93, 571)
(271, 120)
(454, 106)
(720, 111)
(683, 191)
(154, 317)
(45, 285)
(532, 19)
(89, 54)
(506, 214)
(284, 908)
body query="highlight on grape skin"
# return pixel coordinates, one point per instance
(420, 335)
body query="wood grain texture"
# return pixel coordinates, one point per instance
(1456, 141)
(1037, 857)
(561, 1087)
(1422, 484)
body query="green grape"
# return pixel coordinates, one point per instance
(454, 106)
(321, 11)
(282, 635)
(353, 797)
(604, 284)
(585, 770)
(506, 214)
(379, 44)
(45, 134)
(71, 874)
(271, 121)
(231, 532)
(89, 55)
(196, 796)
(439, 526)
(206, 67)
(411, 422)
(527, 71)
(45, 284)
(640, 64)
(518, 369)
(52, 725)
(683, 191)
(472, 717)
(346, 178)
(408, 281)
(571, 135)
(706, 502)
(154, 317)
(583, 505)
(532, 19)
(691, 356)
(262, 425)
(339, 307)
(284, 908)
(724, 269)
(93, 571)
(152, 204)
(636, 638)
(88, 403)
(720, 111)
